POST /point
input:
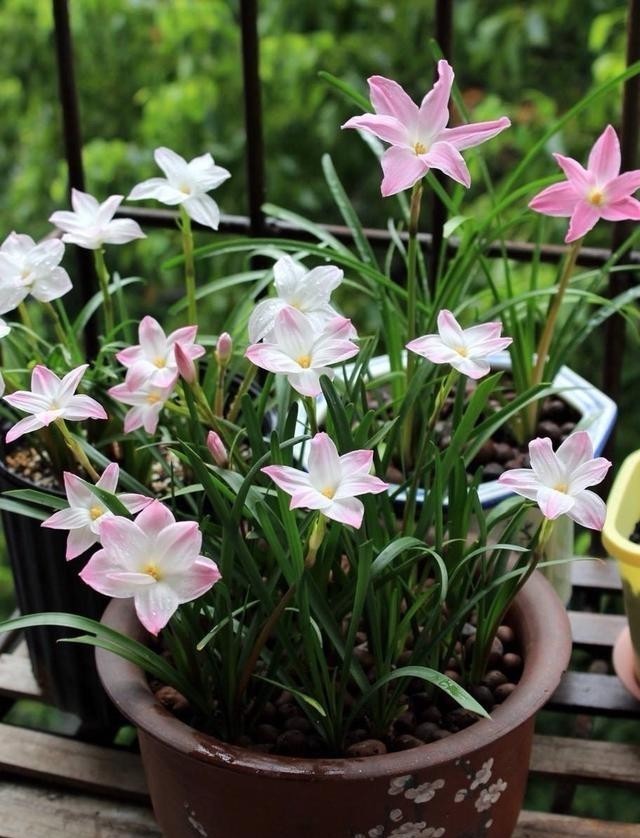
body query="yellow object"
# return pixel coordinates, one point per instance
(623, 513)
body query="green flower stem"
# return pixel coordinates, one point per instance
(315, 540)
(57, 324)
(412, 276)
(218, 400)
(27, 322)
(547, 333)
(77, 451)
(103, 279)
(189, 266)
(310, 407)
(244, 388)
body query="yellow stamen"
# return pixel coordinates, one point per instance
(561, 487)
(304, 361)
(151, 568)
(596, 197)
(186, 190)
(159, 362)
(419, 148)
(462, 350)
(95, 512)
(152, 398)
(328, 492)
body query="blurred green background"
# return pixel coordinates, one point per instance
(168, 72)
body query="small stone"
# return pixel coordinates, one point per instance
(442, 734)
(483, 695)
(267, 734)
(298, 723)
(496, 653)
(285, 697)
(468, 630)
(354, 736)
(550, 429)
(421, 700)
(292, 742)
(244, 741)
(505, 634)
(427, 731)
(503, 691)
(494, 678)
(367, 748)
(268, 712)
(405, 723)
(431, 714)
(504, 452)
(455, 676)
(363, 654)
(453, 663)
(492, 471)
(286, 711)
(460, 719)
(512, 661)
(406, 742)
(486, 453)
(172, 700)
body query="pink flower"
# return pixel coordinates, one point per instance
(332, 482)
(217, 449)
(152, 559)
(91, 224)
(302, 354)
(86, 512)
(599, 191)
(146, 402)
(30, 268)
(465, 349)
(308, 291)
(50, 399)
(224, 348)
(418, 136)
(558, 481)
(153, 360)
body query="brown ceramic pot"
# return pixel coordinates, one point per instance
(469, 784)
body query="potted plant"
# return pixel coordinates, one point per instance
(620, 537)
(350, 664)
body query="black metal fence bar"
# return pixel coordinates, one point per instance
(253, 115)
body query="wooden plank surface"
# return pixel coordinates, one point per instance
(545, 825)
(596, 573)
(33, 811)
(591, 629)
(16, 677)
(67, 762)
(587, 761)
(590, 692)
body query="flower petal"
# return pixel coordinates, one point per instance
(575, 450)
(202, 575)
(434, 108)
(346, 511)
(622, 186)
(574, 172)
(588, 510)
(155, 517)
(174, 166)
(559, 199)
(402, 169)
(552, 503)
(159, 189)
(25, 426)
(623, 210)
(447, 159)
(287, 478)
(389, 98)
(204, 210)
(121, 231)
(546, 466)
(387, 128)
(584, 218)
(324, 464)
(522, 481)
(604, 157)
(155, 605)
(270, 357)
(263, 318)
(79, 541)
(468, 136)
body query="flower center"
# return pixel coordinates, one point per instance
(596, 197)
(186, 190)
(152, 569)
(304, 361)
(25, 276)
(159, 362)
(152, 398)
(95, 512)
(419, 148)
(561, 487)
(462, 350)
(328, 492)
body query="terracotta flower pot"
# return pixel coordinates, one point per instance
(469, 784)
(45, 581)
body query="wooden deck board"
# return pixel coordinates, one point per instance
(16, 676)
(596, 573)
(587, 761)
(590, 629)
(590, 692)
(546, 825)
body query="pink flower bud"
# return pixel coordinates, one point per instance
(217, 449)
(224, 348)
(185, 364)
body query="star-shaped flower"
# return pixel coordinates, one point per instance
(30, 268)
(91, 224)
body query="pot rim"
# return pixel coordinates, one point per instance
(544, 632)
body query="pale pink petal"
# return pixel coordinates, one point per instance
(307, 382)
(155, 606)
(482, 333)
(559, 199)
(474, 368)
(83, 203)
(134, 502)
(389, 98)
(203, 575)
(468, 136)
(589, 474)
(450, 330)
(78, 493)
(356, 461)
(333, 352)
(155, 517)
(263, 318)
(68, 519)
(545, 463)
(69, 383)
(434, 108)
(346, 511)
(25, 426)
(324, 463)
(270, 357)
(553, 503)
(574, 172)
(522, 481)
(387, 128)
(46, 383)
(624, 209)
(84, 407)
(584, 218)
(490, 347)
(575, 450)
(292, 333)
(604, 157)
(176, 545)
(186, 368)
(402, 169)
(124, 540)
(186, 335)
(622, 186)
(79, 541)
(288, 276)
(152, 337)
(433, 349)
(204, 210)
(309, 498)
(446, 158)
(364, 484)
(159, 189)
(100, 574)
(29, 402)
(109, 478)
(588, 510)
(286, 478)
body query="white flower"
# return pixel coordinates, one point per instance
(186, 184)
(91, 224)
(86, 512)
(424, 792)
(308, 291)
(30, 268)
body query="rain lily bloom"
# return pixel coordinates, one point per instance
(599, 191)
(419, 137)
(91, 224)
(308, 291)
(87, 512)
(153, 360)
(30, 268)
(153, 559)
(146, 402)
(466, 350)
(224, 348)
(557, 481)
(51, 399)
(186, 184)
(217, 449)
(332, 482)
(302, 354)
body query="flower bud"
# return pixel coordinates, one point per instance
(217, 449)
(186, 366)
(224, 349)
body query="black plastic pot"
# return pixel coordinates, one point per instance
(45, 581)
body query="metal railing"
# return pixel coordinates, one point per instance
(255, 223)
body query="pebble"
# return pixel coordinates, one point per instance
(512, 661)
(355, 736)
(432, 714)
(483, 695)
(486, 453)
(504, 452)
(405, 723)
(292, 742)
(267, 734)
(496, 653)
(505, 634)
(494, 678)
(459, 719)
(287, 710)
(492, 471)
(298, 723)
(172, 700)
(367, 748)
(406, 742)
(550, 429)
(427, 731)
(268, 712)
(504, 691)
